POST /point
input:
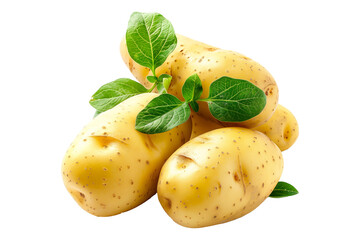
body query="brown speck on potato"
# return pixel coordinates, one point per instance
(236, 177)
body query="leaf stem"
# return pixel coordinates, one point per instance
(153, 72)
(152, 87)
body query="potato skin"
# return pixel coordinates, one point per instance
(210, 63)
(282, 128)
(202, 125)
(219, 176)
(110, 167)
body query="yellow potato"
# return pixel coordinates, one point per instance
(282, 128)
(219, 176)
(202, 125)
(110, 167)
(209, 63)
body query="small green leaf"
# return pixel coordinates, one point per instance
(283, 189)
(166, 80)
(113, 93)
(163, 83)
(192, 88)
(152, 79)
(194, 105)
(150, 38)
(162, 114)
(96, 113)
(160, 87)
(234, 100)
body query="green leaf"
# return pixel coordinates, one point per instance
(96, 113)
(192, 88)
(166, 80)
(235, 100)
(152, 79)
(164, 83)
(194, 105)
(150, 38)
(113, 93)
(283, 189)
(162, 114)
(160, 87)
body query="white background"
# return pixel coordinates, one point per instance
(55, 54)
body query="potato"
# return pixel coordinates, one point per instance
(209, 63)
(282, 128)
(110, 167)
(219, 176)
(202, 125)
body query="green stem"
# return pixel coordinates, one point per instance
(152, 87)
(155, 83)
(153, 72)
